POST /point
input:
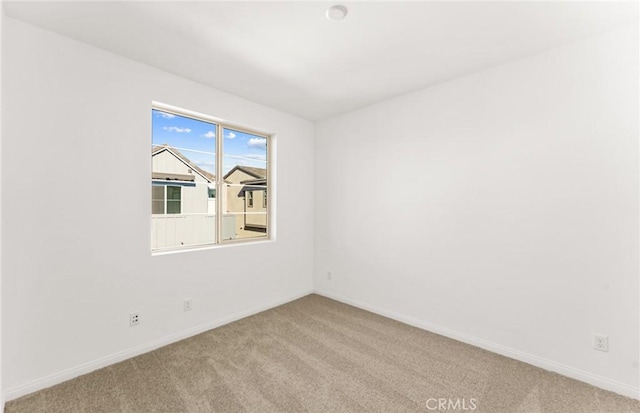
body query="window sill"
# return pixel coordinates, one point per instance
(227, 244)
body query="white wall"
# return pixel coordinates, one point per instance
(76, 143)
(500, 208)
(502, 205)
(1, 41)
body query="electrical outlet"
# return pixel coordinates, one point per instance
(188, 304)
(601, 343)
(134, 319)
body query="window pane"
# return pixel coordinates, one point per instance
(173, 207)
(240, 219)
(183, 153)
(245, 167)
(157, 207)
(157, 192)
(157, 199)
(173, 192)
(191, 144)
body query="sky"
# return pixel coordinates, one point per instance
(196, 140)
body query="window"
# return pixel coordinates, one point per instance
(204, 177)
(165, 198)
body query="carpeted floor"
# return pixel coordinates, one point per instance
(318, 355)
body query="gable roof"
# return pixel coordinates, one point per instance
(206, 175)
(257, 173)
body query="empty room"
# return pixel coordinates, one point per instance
(318, 206)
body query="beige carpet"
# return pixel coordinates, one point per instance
(318, 355)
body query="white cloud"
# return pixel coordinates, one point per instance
(176, 129)
(211, 134)
(257, 142)
(166, 115)
(231, 135)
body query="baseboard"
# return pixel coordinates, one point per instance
(53, 379)
(595, 380)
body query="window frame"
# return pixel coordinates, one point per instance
(220, 126)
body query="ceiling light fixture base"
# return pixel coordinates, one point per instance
(337, 13)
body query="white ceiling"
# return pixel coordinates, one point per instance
(287, 55)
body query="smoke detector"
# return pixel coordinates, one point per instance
(337, 13)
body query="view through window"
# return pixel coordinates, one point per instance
(195, 174)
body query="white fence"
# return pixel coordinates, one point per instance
(176, 230)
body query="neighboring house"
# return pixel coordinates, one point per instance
(247, 199)
(183, 200)
(170, 167)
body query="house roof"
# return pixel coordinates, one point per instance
(254, 182)
(159, 148)
(172, 177)
(257, 173)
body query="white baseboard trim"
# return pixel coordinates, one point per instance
(56, 378)
(593, 379)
